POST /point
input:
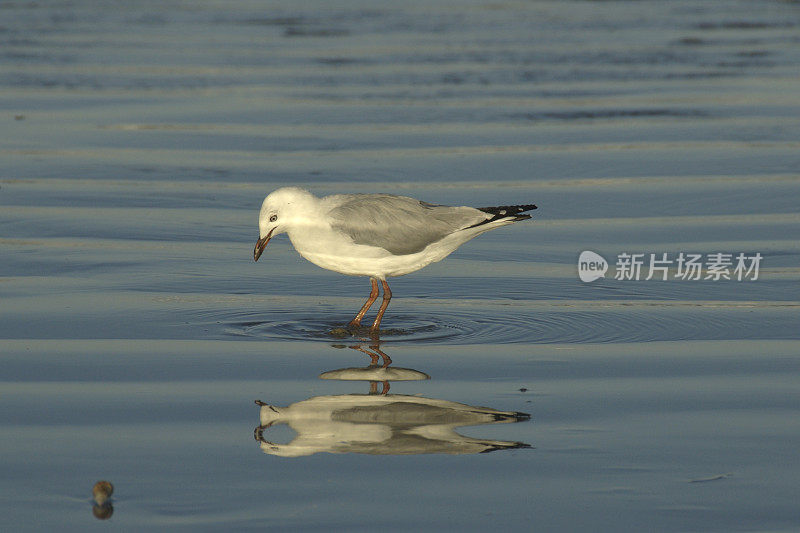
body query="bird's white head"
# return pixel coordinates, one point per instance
(280, 210)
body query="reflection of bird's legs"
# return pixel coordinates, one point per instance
(387, 296)
(386, 359)
(373, 388)
(373, 295)
(373, 357)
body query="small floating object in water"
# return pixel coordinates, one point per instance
(102, 491)
(103, 512)
(710, 478)
(101, 494)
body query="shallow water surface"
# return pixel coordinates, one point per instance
(139, 343)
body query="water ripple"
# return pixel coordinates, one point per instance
(590, 324)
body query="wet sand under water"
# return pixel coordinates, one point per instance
(137, 334)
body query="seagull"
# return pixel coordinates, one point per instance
(375, 235)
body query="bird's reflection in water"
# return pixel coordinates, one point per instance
(375, 373)
(380, 423)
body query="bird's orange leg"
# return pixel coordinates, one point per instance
(387, 296)
(373, 295)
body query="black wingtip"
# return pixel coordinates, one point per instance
(507, 210)
(506, 446)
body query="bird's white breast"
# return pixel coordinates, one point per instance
(332, 250)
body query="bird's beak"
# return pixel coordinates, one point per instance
(261, 244)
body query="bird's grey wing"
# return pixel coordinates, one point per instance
(398, 224)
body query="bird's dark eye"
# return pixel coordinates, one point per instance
(273, 218)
